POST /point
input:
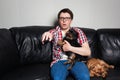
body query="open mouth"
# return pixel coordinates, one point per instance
(64, 24)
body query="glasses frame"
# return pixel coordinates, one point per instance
(64, 18)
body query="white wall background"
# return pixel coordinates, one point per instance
(87, 13)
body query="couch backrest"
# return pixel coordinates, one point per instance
(109, 45)
(9, 58)
(28, 41)
(31, 50)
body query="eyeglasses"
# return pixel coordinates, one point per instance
(64, 18)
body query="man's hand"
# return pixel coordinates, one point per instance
(66, 46)
(47, 36)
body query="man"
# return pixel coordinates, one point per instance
(58, 69)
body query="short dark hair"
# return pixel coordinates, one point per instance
(66, 10)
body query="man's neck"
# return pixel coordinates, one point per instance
(65, 30)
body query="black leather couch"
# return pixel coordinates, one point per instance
(23, 57)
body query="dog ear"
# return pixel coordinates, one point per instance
(73, 32)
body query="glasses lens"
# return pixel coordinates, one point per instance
(65, 18)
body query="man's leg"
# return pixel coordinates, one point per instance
(80, 71)
(59, 71)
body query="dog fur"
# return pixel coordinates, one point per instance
(98, 67)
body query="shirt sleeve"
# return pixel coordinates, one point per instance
(81, 36)
(54, 29)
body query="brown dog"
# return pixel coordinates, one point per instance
(98, 68)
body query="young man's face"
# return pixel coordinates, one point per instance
(65, 20)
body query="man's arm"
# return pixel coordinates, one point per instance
(84, 50)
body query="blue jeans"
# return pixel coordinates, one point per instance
(79, 71)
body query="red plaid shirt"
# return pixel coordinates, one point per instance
(57, 35)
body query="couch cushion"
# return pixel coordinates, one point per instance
(29, 72)
(109, 45)
(28, 40)
(113, 74)
(9, 58)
